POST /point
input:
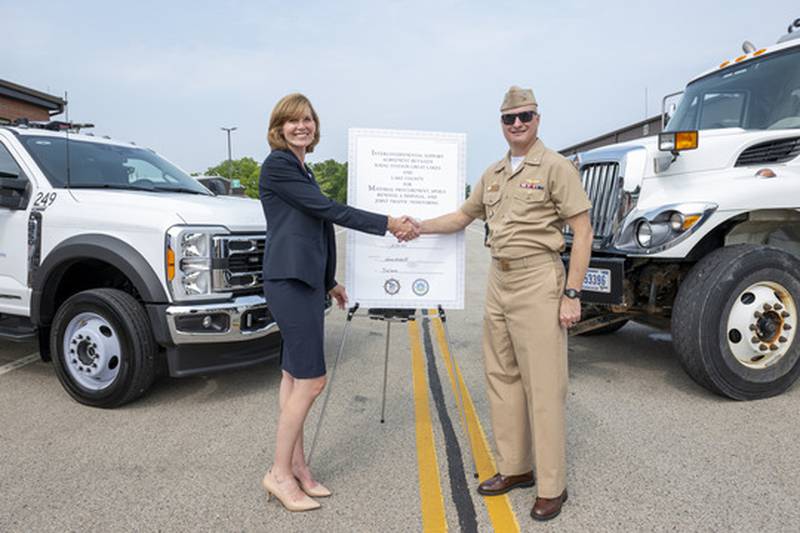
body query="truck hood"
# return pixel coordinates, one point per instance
(717, 149)
(236, 214)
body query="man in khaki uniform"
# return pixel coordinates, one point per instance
(526, 198)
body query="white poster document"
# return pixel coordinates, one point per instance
(415, 173)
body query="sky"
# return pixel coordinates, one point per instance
(169, 75)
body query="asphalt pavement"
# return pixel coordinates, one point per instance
(648, 449)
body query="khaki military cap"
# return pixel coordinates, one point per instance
(516, 97)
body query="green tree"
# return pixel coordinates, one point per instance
(330, 174)
(468, 190)
(246, 170)
(332, 178)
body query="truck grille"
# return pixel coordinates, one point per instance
(236, 266)
(603, 185)
(777, 151)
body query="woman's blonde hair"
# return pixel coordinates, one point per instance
(290, 107)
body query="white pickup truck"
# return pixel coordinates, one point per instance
(698, 230)
(123, 266)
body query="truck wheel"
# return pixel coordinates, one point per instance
(735, 320)
(103, 350)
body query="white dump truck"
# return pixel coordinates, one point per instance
(123, 266)
(697, 230)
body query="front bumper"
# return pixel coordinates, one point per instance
(250, 336)
(243, 319)
(613, 271)
(242, 333)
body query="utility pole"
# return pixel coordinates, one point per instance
(230, 163)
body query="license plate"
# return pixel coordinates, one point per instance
(597, 280)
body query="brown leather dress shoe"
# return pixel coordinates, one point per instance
(500, 484)
(548, 508)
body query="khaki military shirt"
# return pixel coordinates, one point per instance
(525, 209)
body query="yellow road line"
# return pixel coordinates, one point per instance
(499, 507)
(438, 325)
(430, 488)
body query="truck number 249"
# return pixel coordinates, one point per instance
(44, 200)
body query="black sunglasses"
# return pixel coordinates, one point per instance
(509, 118)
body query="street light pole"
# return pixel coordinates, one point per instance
(230, 163)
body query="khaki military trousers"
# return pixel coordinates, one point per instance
(525, 358)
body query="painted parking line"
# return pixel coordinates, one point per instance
(430, 488)
(499, 507)
(13, 365)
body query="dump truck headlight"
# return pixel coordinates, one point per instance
(659, 229)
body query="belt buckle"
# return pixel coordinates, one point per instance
(505, 264)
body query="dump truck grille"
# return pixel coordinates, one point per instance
(603, 186)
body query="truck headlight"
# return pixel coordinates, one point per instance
(196, 279)
(676, 221)
(653, 231)
(644, 234)
(196, 244)
(188, 261)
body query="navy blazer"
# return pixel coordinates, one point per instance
(300, 241)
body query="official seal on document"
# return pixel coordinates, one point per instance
(420, 287)
(392, 286)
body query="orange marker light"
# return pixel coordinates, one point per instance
(740, 58)
(689, 221)
(170, 264)
(758, 53)
(766, 173)
(685, 140)
(725, 64)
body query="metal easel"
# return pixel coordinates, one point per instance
(389, 316)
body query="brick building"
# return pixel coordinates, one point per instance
(17, 101)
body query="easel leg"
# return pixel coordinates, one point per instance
(350, 313)
(385, 370)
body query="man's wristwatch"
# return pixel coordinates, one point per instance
(572, 293)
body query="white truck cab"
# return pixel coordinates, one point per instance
(698, 230)
(124, 266)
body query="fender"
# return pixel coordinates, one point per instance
(105, 248)
(734, 229)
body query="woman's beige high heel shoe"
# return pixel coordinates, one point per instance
(273, 489)
(320, 491)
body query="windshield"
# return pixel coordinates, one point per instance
(95, 165)
(761, 94)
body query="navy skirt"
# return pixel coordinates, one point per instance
(299, 310)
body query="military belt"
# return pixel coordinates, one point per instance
(538, 259)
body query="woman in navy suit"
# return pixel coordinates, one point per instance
(299, 269)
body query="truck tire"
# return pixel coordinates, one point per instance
(103, 349)
(734, 322)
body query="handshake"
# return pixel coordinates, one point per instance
(404, 228)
